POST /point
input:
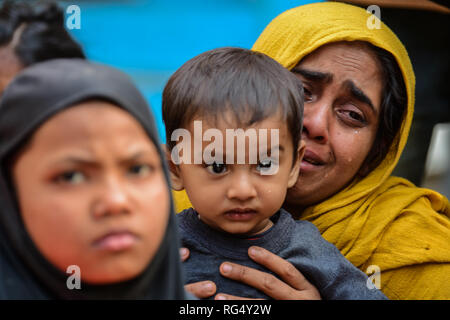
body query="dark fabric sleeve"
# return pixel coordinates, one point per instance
(326, 268)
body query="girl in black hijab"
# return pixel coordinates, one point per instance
(84, 189)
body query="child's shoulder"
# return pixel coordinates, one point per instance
(187, 221)
(303, 225)
(303, 230)
(185, 214)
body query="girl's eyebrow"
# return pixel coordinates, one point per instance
(135, 156)
(77, 160)
(90, 161)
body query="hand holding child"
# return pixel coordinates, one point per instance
(293, 285)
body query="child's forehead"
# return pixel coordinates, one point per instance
(229, 120)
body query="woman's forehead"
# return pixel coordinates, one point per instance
(356, 54)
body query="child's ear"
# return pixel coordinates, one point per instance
(295, 171)
(175, 177)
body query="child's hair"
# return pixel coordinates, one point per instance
(250, 84)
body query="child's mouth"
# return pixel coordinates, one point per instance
(116, 241)
(240, 214)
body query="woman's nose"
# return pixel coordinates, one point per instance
(315, 121)
(241, 187)
(113, 199)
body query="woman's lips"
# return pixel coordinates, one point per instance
(239, 214)
(311, 162)
(116, 241)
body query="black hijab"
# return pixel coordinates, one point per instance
(32, 98)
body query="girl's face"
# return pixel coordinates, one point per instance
(92, 192)
(343, 87)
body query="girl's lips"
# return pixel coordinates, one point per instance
(116, 241)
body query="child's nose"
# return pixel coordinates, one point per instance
(113, 200)
(241, 187)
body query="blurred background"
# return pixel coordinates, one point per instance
(150, 39)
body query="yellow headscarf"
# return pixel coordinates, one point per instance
(379, 220)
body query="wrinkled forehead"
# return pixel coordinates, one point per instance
(356, 55)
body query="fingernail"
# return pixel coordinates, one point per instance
(221, 297)
(183, 251)
(254, 251)
(208, 286)
(226, 268)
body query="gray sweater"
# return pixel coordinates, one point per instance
(299, 242)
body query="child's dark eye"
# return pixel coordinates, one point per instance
(264, 164)
(216, 168)
(140, 170)
(267, 166)
(71, 177)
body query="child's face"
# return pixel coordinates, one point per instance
(237, 198)
(92, 192)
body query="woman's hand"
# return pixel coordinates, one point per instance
(201, 289)
(294, 287)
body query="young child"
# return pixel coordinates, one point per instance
(237, 197)
(85, 209)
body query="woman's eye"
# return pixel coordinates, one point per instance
(353, 117)
(140, 170)
(216, 168)
(71, 177)
(307, 94)
(356, 116)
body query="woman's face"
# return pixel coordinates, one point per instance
(92, 192)
(343, 87)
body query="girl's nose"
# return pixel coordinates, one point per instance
(113, 200)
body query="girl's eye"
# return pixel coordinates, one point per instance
(216, 168)
(71, 177)
(140, 170)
